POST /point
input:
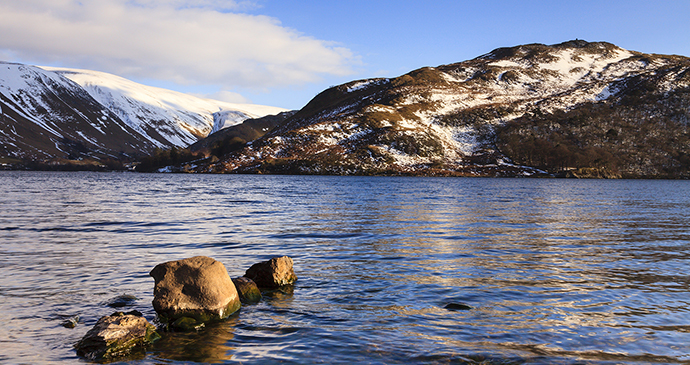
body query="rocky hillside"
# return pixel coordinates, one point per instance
(53, 112)
(576, 108)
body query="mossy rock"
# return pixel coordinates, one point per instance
(247, 289)
(117, 336)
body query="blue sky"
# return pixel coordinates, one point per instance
(283, 53)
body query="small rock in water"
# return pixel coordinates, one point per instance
(116, 336)
(247, 289)
(71, 322)
(272, 274)
(197, 287)
(122, 301)
(131, 313)
(457, 307)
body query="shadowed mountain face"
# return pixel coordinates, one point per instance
(53, 112)
(235, 137)
(46, 115)
(587, 109)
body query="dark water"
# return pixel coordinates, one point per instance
(553, 271)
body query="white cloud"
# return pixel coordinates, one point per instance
(228, 96)
(187, 42)
(218, 5)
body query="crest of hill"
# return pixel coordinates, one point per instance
(485, 69)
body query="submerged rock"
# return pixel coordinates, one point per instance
(116, 336)
(457, 307)
(188, 324)
(198, 288)
(247, 289)
(71, 322)
(273, 273)
(122, 301)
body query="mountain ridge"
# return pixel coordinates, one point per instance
(456, 119)
(50, 112)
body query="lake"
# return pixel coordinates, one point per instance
(391, 270)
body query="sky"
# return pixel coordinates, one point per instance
(283, 53)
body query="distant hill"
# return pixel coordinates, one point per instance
(234, 137)
(570, 109)
(65, 113)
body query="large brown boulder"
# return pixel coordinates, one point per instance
(196, 288)
(272, 274)
(116, 336)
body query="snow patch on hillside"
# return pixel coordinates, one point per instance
(181, 116)
(360, 85)
(227, 118)
(506, 63)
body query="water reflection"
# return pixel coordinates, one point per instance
(209, 345)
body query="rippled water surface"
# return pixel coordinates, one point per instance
(391, 270)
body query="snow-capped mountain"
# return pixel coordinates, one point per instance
(57, 112)
(474, 117)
